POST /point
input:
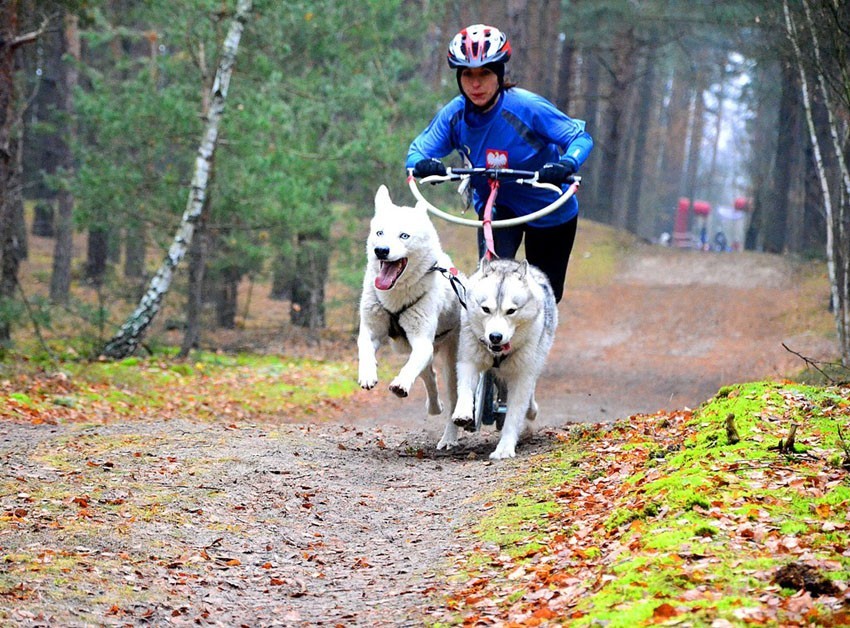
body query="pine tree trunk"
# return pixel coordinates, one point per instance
(590, 93)
(643, 113)
(308, 291)
(564, 85)
(63, 252)
(43, 219)
(9, 261)
(776, 223)
(130, 335)
(675, 141)
(195, 299)
(135, 241)
(696, 135)
(614, 145)
(97, 252)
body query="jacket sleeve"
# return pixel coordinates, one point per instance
(435, 141)
(579, 148)
(565, 132)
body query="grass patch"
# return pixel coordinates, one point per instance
(212, 387)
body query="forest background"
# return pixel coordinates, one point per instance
(105, 103)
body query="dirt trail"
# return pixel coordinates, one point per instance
(670, 329)
(351, 522)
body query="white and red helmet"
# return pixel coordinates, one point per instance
(478, 45)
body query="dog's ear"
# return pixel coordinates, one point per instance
(382, 198)
(522, 269)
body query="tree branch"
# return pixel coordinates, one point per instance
(28, 38)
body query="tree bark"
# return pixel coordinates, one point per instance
(130, 335)
(841, 220)
(675, 140)
(564, 84)
(97, 252)
(9, 247)
(195, 299)
(643, 113)
(776, 224)
(614, 145)
(590, 93)
(836, 259)
(308, 292)
(695, 137)
(63, 251)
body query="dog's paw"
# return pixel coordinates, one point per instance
(398, 390)
(435, 406)
(367, 384)
(503, 451)
(449, 438)
(467, 423)
(367, 379)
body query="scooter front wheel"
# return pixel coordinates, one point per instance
(490, 401)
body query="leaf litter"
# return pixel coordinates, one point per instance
(648, 520)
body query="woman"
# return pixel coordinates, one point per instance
(495, 124)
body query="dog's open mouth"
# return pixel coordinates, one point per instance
(504, 348)
(389, 273)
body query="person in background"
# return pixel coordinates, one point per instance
(493, 123)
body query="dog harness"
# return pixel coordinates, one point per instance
(397, 331)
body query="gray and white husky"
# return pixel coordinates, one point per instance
(408, 300)
(508, 326)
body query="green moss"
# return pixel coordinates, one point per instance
(510, 527)
(682, 513)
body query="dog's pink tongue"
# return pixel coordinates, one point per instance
(388, 274)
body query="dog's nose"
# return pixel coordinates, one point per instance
(381, 252)
(496, 338)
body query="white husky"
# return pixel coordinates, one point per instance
(508, 326)
(408, 298)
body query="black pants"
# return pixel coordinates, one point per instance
(548, 248)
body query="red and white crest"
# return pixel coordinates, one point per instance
(497, 158)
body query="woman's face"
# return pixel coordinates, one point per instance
(479, 85)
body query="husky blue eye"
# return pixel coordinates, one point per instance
(404, 236)
(380, 233)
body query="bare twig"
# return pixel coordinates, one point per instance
(35, 325)
(28, 38)
(812, 363)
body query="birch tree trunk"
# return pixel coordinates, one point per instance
(841, 219)
(834, 220)
(126, 341)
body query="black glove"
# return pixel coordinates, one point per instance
(558, 172)
(429, 167)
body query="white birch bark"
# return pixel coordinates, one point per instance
(843, 204)
(125, 342)
(840, 304)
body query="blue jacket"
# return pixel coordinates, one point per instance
(522, 131)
